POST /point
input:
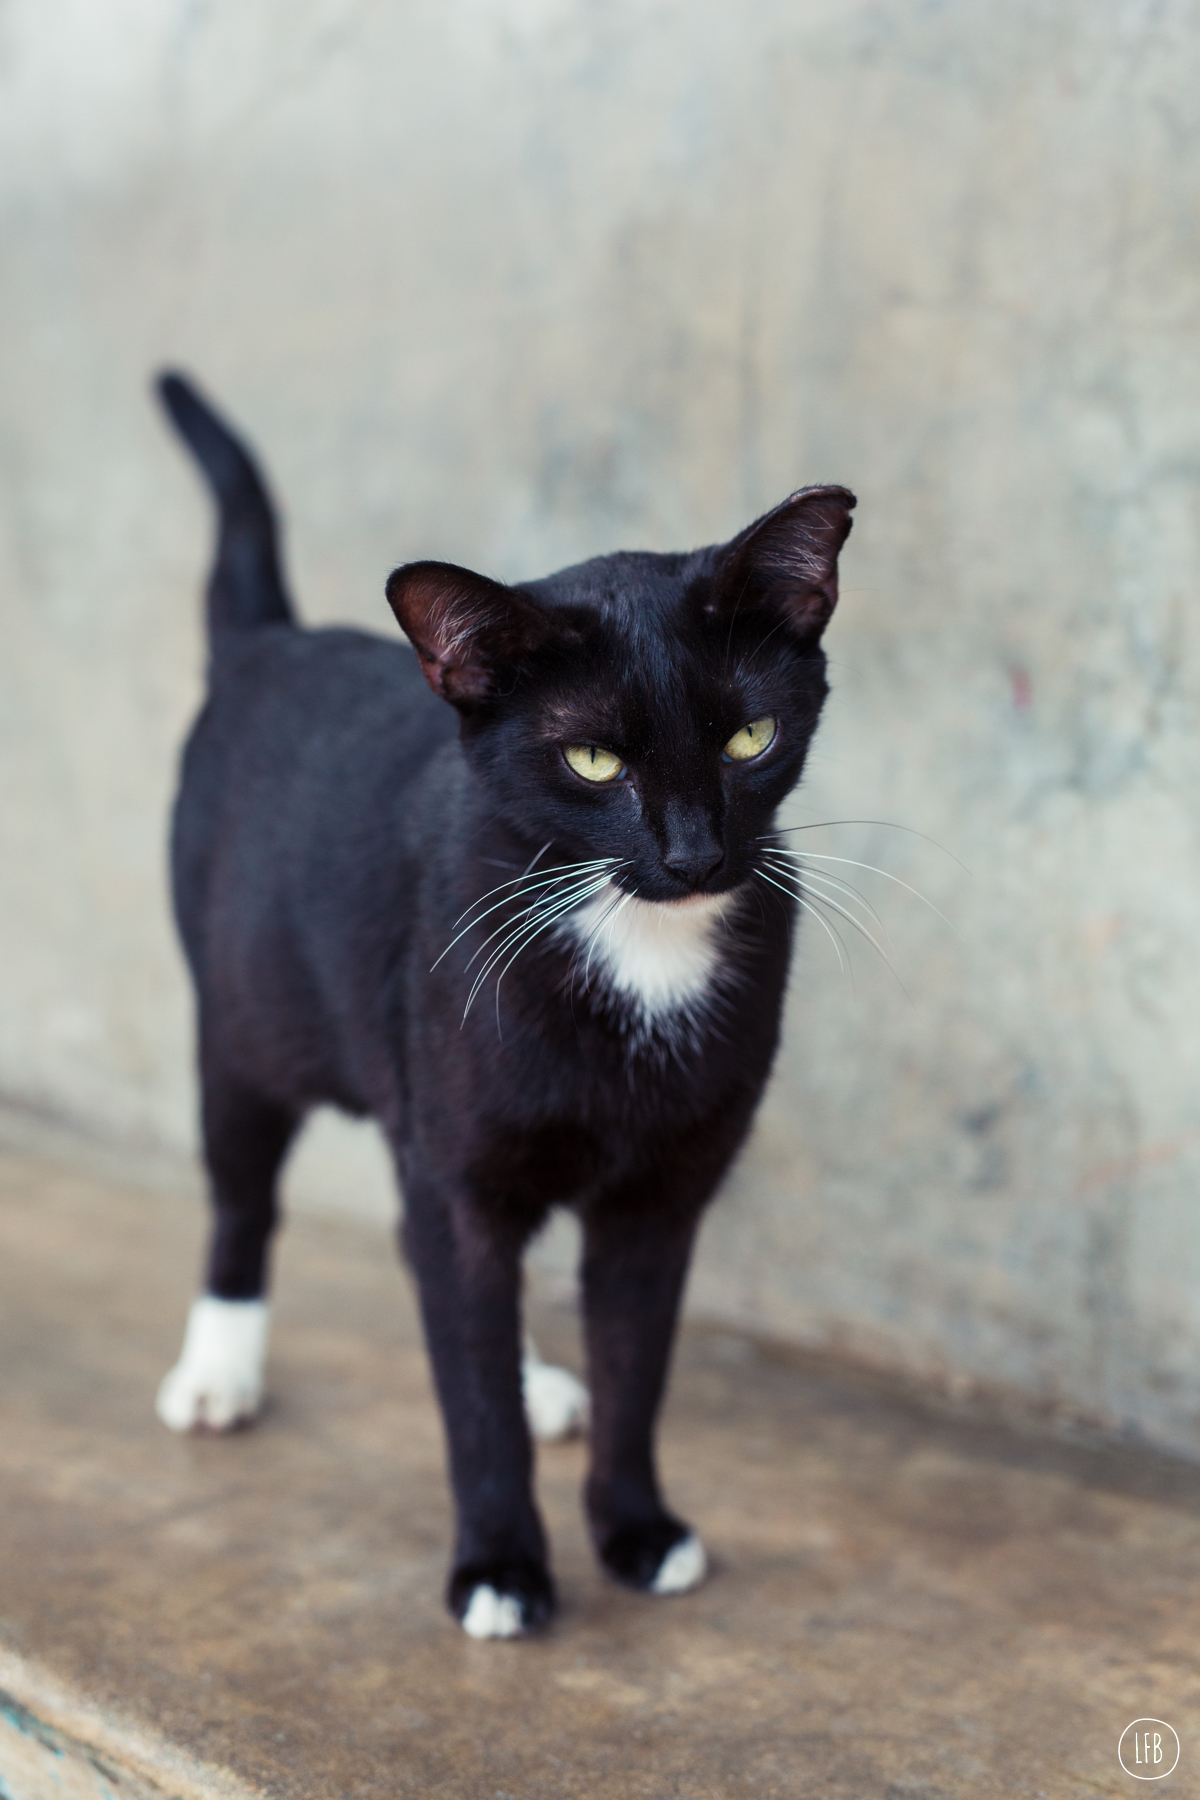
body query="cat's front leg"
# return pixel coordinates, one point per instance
(636, 1254)
(468, 1267)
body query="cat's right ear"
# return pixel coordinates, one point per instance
(469, 633)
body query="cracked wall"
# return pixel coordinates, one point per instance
(514, 282)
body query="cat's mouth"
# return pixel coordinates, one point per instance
(697, 899)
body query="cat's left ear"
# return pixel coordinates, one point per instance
(469, 633)
(788, 560)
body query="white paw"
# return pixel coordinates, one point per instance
(556, 1403)
(492, 1615)
(218, 1381)
(684, 1566)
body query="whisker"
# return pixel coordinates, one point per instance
(559, 876)
(537, 857)
(524, 880)
(828, 900)
(836, 881)
(825, 900)
(508, 965)
(560, 891)
(606, 918)
(834, 939)
(521, 939)
(522, 931)
(551, 911)
(885, 824)
(816, 856)
(820, 899)
(594, 934)
(530, 918)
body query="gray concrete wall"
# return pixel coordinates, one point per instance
(518, 281)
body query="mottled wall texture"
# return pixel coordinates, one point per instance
(513, 282)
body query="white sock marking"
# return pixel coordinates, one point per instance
(492, 1615)
(663, 957)
(557, 1404)
(218, 1380)
(684, 1566)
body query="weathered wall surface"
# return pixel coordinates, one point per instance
(517, 281)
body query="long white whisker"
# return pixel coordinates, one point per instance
(530, 919)
(536, 857)
(525, 930)
(816, 856)
(834, 881)
(557, 890)
(824, 923)
(886, 824)
(526, 919)
(597, 928)
(555, 884)
(821, 899)
(530, 928)
(825, 900)
(519, 939)
(605, 919)
(525, 880)
(547, 875)
(539, 925)
(557, 875)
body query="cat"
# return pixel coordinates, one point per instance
(509, 890)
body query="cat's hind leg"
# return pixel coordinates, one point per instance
(217, 1384)
(556, 1402)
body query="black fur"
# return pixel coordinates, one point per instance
(336, 819)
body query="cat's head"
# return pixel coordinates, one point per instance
(653, 709)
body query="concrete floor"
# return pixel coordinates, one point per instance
(903, 1603)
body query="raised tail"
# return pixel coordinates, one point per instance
(245, 588)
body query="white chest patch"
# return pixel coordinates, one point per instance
(663, 957)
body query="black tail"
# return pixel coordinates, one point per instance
(245, 587)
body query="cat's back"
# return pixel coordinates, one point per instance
(303, 754)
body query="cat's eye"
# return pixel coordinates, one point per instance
(750, 741)
(593, 763)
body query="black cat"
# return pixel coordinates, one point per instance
(535, 932)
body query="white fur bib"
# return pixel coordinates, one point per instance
(662, 957)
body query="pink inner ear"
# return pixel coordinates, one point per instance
(789, 558)
(465, 629)
(811, 611)
(449, 615)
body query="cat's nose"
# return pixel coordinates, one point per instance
(694, 866)
(692, 850)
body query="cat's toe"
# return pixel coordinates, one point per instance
(492, 1615)
(191, 1399)
(662, 1557)
(505, 1602)
(557, 1404)
(684, 1566)
(217, 1384)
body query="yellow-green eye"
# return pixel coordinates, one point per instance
(593, 763)
(750, 741)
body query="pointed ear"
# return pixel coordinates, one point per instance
(788, 560)
(469, 633)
